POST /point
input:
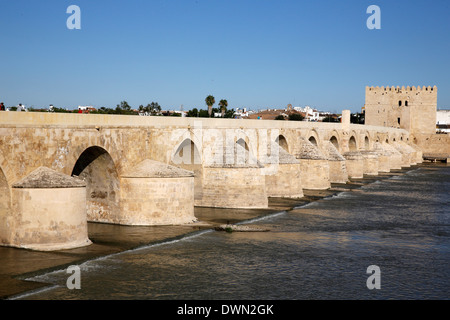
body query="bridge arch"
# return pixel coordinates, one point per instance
(313, 137)
(352, 144)
(97, 168)
(313, 140)
(242, 154)
(334, 140)
(366, 142)
(247, 136)
(188, 156)
(282, 142)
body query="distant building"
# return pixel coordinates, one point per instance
(443, 117)
(86, 108)
(443, 121)
(241, 113)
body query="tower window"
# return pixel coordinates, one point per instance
(398, 120)
(400, 103)
(406, 103)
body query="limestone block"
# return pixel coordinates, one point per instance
(48, 212)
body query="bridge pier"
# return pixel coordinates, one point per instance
(395, 158)
(355, 164)
(153, 193)
(315, 169)
(384, 157)
(337, 164)
(411, 152)
(370, 162)
(405, 154)
(283, 177)
(48, 212)
(234, 187)
(233, 180)
(418, 155)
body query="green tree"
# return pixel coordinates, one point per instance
(330, 119)
(210, 100)
(296, 117)
(153, 108)
(279, 117)
(223, 104)
(203, 114)
(123, 108)
(229, 113)
(193, 112)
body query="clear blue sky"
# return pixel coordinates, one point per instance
(254, 53)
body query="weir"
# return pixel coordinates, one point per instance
(133, 170)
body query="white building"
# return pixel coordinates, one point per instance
(443, 121)
(241, 112)
(443, 117)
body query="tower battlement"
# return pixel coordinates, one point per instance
(402, 89)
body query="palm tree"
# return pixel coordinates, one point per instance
(223, 106)
(209, 102)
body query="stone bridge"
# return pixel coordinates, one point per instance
(58, 171)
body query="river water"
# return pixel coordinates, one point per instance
(318, 251)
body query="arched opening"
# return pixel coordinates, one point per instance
(241, 142)
(242, 152)
(313, 140)
(96, 167)
(352, 144)
(187, 156)
(366, 143)
(335, 142)
(5, 208)
(282, 142)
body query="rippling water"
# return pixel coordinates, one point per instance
(319, 251)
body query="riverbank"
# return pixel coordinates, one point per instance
(19, 264)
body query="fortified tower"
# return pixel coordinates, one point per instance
(410, 108)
